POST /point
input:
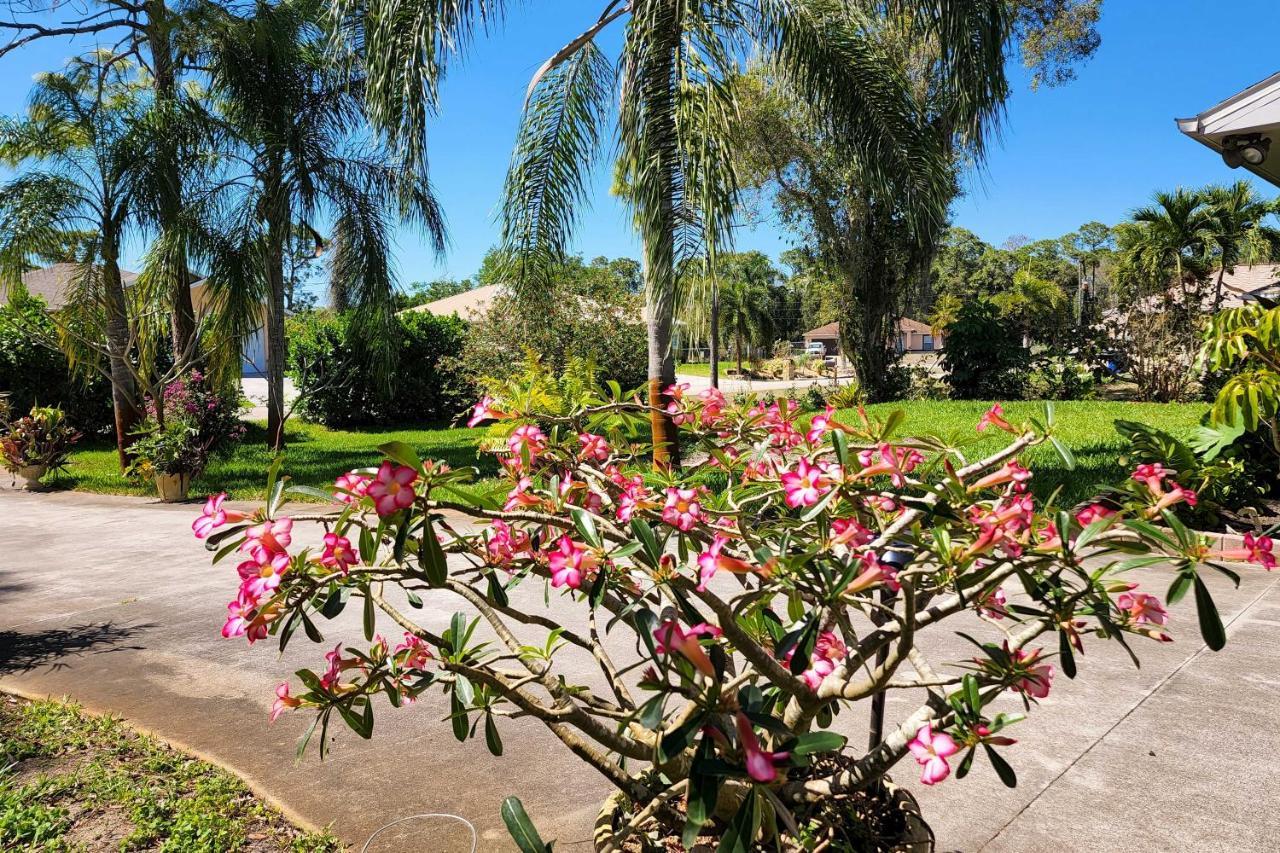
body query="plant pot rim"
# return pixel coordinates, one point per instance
(917, 836)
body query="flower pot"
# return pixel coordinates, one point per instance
(30, 475)
(173, 487)
(915, 837)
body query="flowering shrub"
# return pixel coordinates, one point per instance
(757, 610)
(184, 428)
(42, 437)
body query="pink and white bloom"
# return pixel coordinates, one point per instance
(931, 750)
(1038, 678)
(270, 537)
(804, 486)
(683, 509)
(850, 533)
(594, 447)
(1151, 474)
(505, 542)
(240, 613)
(994, 417)
(485, 411)
(828, 652)
(413, 652)
(214, 516)
(338, 553)
(761, 765)
(262, 574)
(520, 496)
(873, 572)
(993, 604)
(352, 486)
(895, 462)
(1143, 608)
(1093, 512)
(821, 424)
(283, 701)
(1010, 472)
(527, 438)
(392, 489)
(669, 637)
(712, 561)
(1257, 549)
(570, 563)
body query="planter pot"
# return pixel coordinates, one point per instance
(30, 475)
(916, 836)
(173, 487)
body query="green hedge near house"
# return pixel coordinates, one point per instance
(33, 372)
(339, 389)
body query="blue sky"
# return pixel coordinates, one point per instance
(1093, 149)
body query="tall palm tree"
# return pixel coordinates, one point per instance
(83, 148)
(1172, 239)
(745, 315)
(302, 157)
(676, 114)
(1238, 228)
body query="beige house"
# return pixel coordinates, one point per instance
(913, 337)
(53, 284)
(471, 304)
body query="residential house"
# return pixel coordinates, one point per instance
(913, 337)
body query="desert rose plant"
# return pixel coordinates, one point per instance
(792, 572)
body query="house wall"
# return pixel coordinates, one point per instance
(253, 349)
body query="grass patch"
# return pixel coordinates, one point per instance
(70, 781)
(1087, 427)
(314, 456)
(703, 368)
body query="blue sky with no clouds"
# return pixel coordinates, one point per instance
(1093, 149)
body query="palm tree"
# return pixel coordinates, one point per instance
(84, 143)
(676, 117)
(1172, 239)
(305, 160)
(744, 314)
(1237, 228)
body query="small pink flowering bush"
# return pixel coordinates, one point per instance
(795, 569)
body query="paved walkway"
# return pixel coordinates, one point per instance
(110, 601)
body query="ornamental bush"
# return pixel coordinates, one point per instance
(984, 357)
(757, 610)
(337, 385)
(32, 373)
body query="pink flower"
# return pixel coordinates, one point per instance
(270, 537)
(1011, 472)
(713, 404)
(338, 553)
(820, 425)
(993, 605)
(283, 701)
(413, 652)
(214, 516)
(527, 437)
(351, 487)
(240, 613)
(873, 572)
(931, 750)
(994, 417)
(262, 575)
(632, 498)
(668, 637)
(850, 533)
(520, 496)
(828, 651)
(893, 461)
(1092, 513)
(712, 561)
(504, 542)
(1176, 495)
(485, 411)
(1257, 549)
(1144, 608)
(594, 447)
(1037, 679)
(683, 510)
(761, 765)
(804, 486)
(1152, 475)
(392, 489)
(570, 564)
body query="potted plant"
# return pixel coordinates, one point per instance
(763, 591)
(37, 443)
(191, 423)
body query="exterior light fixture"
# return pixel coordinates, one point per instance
(1245, 149)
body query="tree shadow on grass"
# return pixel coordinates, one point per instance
(23, 652)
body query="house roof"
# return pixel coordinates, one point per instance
(1255, 110)
(53, 283)
(832, 330)
(1246, 283)
(471, 304)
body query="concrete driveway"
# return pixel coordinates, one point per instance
(110, 601)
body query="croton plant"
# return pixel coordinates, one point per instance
(785, 573)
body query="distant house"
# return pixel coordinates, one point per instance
(471, 304)
(1249, 283)
(54, 284)
(913, 337)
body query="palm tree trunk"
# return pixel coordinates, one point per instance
(737, 349)
(277, 223)
(660, 299)
(1217, 296)
(182, 313)
(715, 334)
(125, 404)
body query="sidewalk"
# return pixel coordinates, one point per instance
(110, 601)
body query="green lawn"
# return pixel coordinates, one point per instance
(703, 368)
(1086, 427)
(70, 781)
(316, 455)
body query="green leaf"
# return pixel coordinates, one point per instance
(1068, 458)
(415, 600)
(1178, 588)
(491, 737)
(644, 533)
(703, 791)
(313, 492)
(966, 763)
(1003, 770)
(521, 828)
(370, 616)
(1066, 655)
(812, 743)
(586, 526)
(1215, 636)
(431, 557)
(458, 716)
(972, 695)
(400, 452)
(740, 834)
(497, 592)
(335, 602)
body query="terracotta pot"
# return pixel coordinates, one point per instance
(173, 487)
(916, 836)
(31, 475)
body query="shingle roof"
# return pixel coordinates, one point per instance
(1247, 280)
(53, 283)
(469, 305)
(832, 330)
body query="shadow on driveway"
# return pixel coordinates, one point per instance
(23, 652)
